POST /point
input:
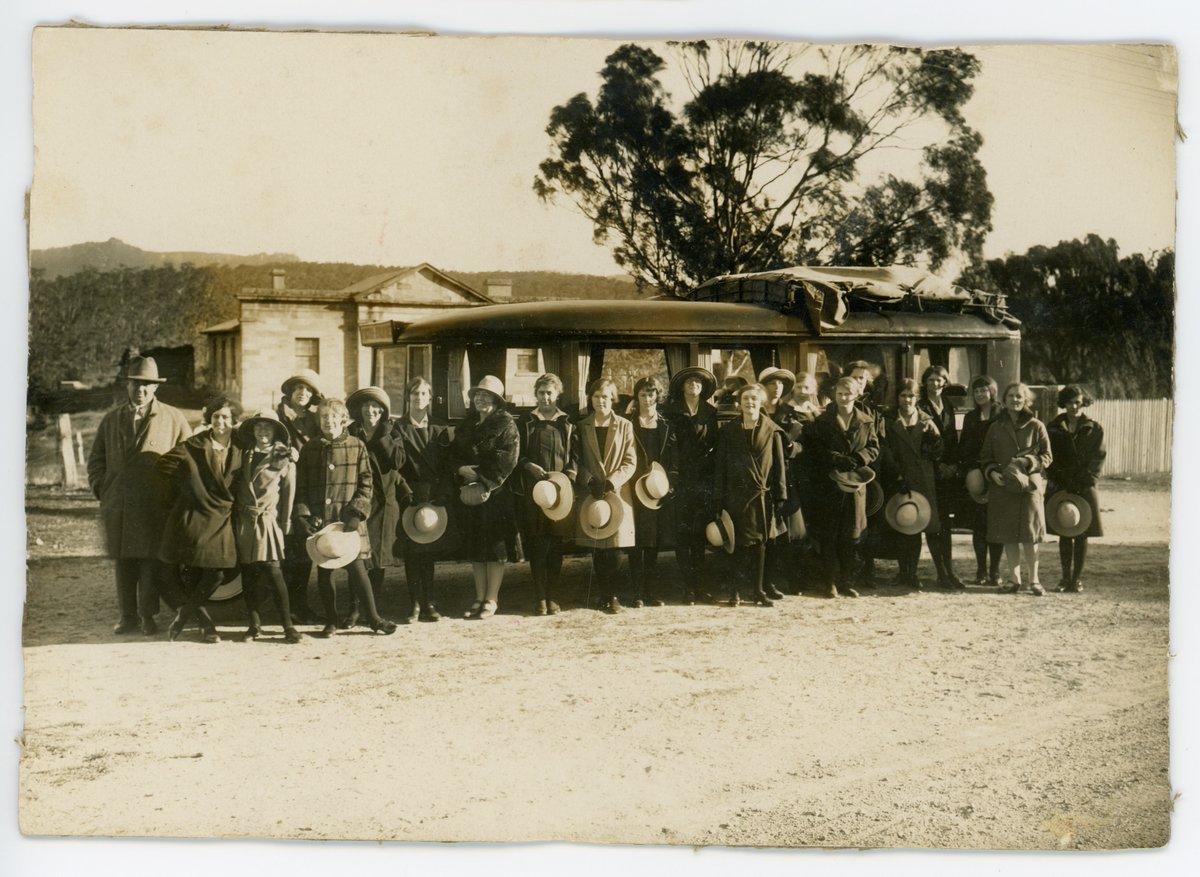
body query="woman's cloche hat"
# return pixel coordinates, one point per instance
(305, 376)
(368, 394)
(245, 430)
(492, 384)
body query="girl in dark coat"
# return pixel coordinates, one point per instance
(297, 412)
(844, 439)
(751, 485)
(264, 491)
(694, 423)
(483, 454)
(779, 383)
(426, 446)
(198, 532)
(549, 443)
(1077, 443)
(654, 442)
(911, 449)
(371, 423)
(947, 479)
(976, 423)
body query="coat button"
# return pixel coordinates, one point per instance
(331, 467)
(328, 501)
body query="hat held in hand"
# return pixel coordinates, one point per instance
(333, 546)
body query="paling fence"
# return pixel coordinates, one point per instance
(1137, 433)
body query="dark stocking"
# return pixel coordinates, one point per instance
(1066, 556)
(1081, 545)
(360, 585)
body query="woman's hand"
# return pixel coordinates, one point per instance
(468, 474)
(996, 477)
(536, 471)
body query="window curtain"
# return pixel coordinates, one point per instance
(583, 363)
(458, 380)
(677, 358)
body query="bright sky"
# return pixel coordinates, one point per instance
(396, 150)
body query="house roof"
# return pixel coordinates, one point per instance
(360, 290)
(227, 326)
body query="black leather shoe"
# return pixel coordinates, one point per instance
(326, 632)
(414, 614)
(149, 628)
(831, 592)
(773, 592)
(430, 613)
(291, 635)
(383, 627)
(211, 637)
(614, 606)
(764, 600)
(126, 625)
(552, 608)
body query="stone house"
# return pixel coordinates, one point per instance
(281, 330)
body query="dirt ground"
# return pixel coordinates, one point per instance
(934, 719)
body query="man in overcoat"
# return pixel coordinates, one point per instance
(124, 475)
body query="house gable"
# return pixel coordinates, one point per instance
(422, 285)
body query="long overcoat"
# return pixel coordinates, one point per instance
(970, 443)
(1077, 462)
(198, 531)
(492, 445)
(1016, 517)
(835, 516)
(655, 528)
(333, 481)
(123, 474)
(908, 456)
(751, 478)
(263, 494)
(552, 444)
(696, 443)
(426, 472)
(947, 477)
(615, 463)
(385, 452)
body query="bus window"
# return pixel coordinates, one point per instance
(522, 368)
(831, 361)
(395, 366)
(627, 365)
(962, 361)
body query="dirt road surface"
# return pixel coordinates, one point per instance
(934, 719)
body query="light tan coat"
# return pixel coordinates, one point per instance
(615, 463)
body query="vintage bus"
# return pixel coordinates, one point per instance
(803, 319)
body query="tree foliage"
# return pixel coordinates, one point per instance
(1090, 316)
(761, 166)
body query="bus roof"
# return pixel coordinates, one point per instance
(666, 320)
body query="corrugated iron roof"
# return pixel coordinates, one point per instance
(227, 326)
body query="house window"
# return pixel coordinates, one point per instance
(308, 354)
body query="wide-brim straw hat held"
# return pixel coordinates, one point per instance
(554, 495)
(424, 522)
(333, 546)
(854, 479)
(908, 512)
(601, 518)
(977, 486)
(720, 533)
(1068, 514)
(652, 488)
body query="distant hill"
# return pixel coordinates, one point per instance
(114, 253)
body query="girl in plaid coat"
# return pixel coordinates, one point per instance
(333, 483)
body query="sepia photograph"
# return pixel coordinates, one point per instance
(730, 440)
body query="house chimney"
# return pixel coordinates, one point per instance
(277, 278)
(498, 290)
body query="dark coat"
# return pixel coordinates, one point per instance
(655, 528)
(696, 446)
(303, 428)
(947, 474)
(488, 531)
(198, 531)
(907, 461)
(970, 443)
(124, 475)
(792, 422)
(1077, 462)
(385, 452)
(333, 482)
(751, 478)
(1016, 517)
(835, 517)
(552, 445)
(426, 472)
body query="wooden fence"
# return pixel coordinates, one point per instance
(1137, 433)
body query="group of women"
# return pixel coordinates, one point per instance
(789, 474)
